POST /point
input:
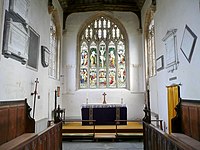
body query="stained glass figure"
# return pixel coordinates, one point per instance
(102, 55)
(102, 78)
(93, 78)
(84, 54)
(111, 55)
(112, 78)
(83, 77)
(121, 53)
(93, 55)
(121, 77)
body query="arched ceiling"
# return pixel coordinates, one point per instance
(73, 6)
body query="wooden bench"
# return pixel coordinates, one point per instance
(15, 120)
(156, 139)
(17, 129)
(50, 138)
(185, 125)
(185, 129)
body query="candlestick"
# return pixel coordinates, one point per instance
(86, 100)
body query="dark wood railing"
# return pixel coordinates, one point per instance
(156, 139)
(49, 139)
(185, 128)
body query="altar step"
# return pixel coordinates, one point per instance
(75, 130)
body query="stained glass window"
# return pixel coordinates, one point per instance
(102, 53)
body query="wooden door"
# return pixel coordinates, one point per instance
(173, 99)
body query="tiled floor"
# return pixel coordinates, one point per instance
(103, 145)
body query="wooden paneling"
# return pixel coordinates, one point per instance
(13, 136)
(3, 128)
(12, 131)
(20, 120)
(185, 120)
(51, 138)
(193, 115)
(14, 117)
(191, 118)
(199, 121)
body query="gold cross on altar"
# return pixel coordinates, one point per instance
(104, 98)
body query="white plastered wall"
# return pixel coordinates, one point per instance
(17, 81)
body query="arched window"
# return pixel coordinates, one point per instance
(53, 50)
(54, 46)
(150, 51)
(102, 54)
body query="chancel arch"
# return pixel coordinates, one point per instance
(102, 54)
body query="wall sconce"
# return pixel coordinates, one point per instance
(45, 53)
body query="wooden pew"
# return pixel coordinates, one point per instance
(17, 129)
(186, 123)
(15, 120)
(156, 139)
(185, 129)
(50, 139)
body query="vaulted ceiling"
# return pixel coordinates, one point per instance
(73, 6)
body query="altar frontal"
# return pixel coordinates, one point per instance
(104, 114)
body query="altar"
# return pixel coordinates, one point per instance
(104, 114)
